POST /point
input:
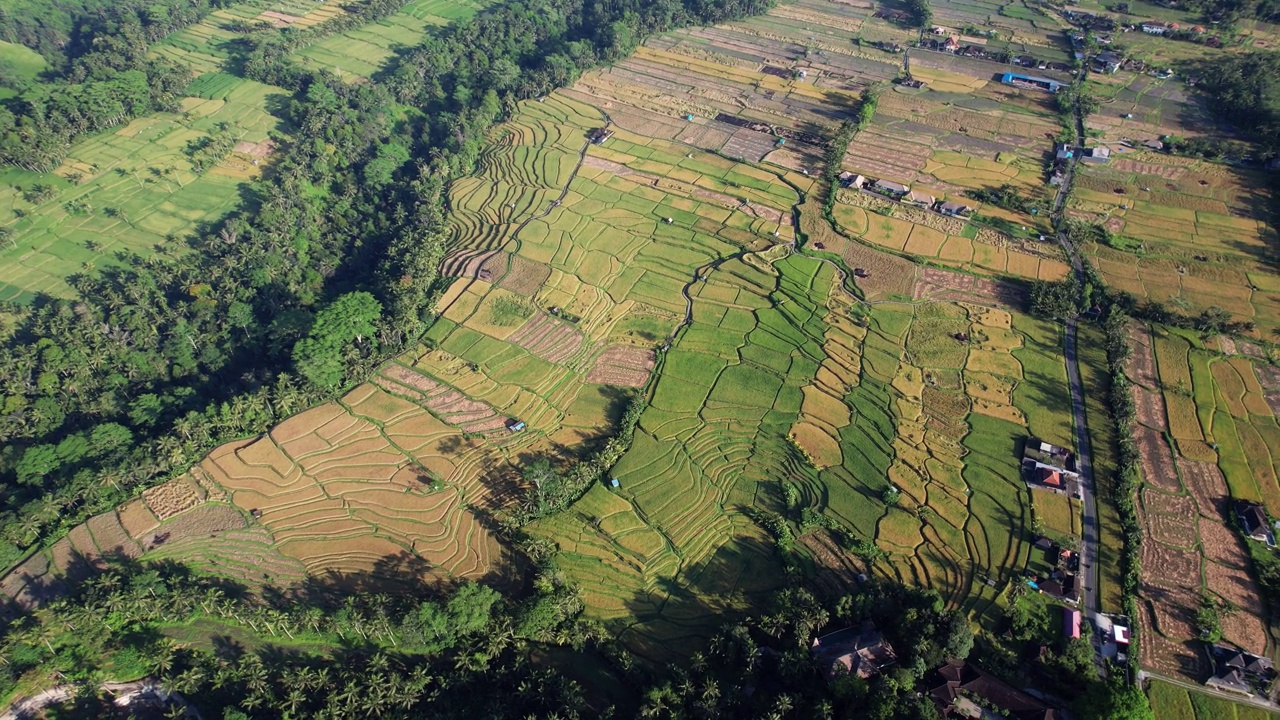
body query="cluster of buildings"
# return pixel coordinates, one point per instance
(1049, 467)
(904, 194)
(943, 39)
(1239, 672)
(1062, 582)
(958, 689)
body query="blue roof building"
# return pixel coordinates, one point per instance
(1030, 82)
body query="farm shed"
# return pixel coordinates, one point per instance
(919, 197)
(1030, 82)
(891, 188)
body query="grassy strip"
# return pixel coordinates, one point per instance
(1127, 478)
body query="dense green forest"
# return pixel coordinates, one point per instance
(341, 654)
(353, 651)
(1245, 91)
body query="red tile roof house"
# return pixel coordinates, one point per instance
(1070, 623)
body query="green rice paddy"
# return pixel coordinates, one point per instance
(132, 189)
(362, 51)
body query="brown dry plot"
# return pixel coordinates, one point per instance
(524, 276)
(1150, 407)
(1222, 544)
(1207, 485)
(1156, 460)
(821, 447)
(1142, 364)
(173, 497)
(623, 365)
(110, 537)
(1179, 506)
(1176, 531)
(550, 339)
(1179, 568)
(137, 519)
(1245, 628)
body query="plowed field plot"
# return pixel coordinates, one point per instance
(1189, 536)
(1157, 460)
(623, 365)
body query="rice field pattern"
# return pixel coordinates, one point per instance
(1187, 499)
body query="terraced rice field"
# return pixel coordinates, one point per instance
(1203, 236)
(664, 259)
(360, 52)
(1186, 505)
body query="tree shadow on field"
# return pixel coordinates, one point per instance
(669, 622)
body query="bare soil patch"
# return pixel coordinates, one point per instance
(524, 276)
(137, 519)
(1150, 408)
(623, 365)
(1207, 485)
(1156, 460)
(1179, 568)
(173, 497)
(205, 520)
(1176, 531)
(1222, 544)
(550, 339)
(1142, 364)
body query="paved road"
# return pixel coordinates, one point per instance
(1084, 463)
(1084, 455)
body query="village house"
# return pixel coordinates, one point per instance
(1107, 62)
(890, 188)
(1156, 28)
(851, 180)
(1253, 522)
(1070, 623)
(1061, 585)
(1095, 155)
(862, 652)
(957, 688)
(919, 197)
(955, 209)
(1049, 467)
(1043, 452)
(1236, 671)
